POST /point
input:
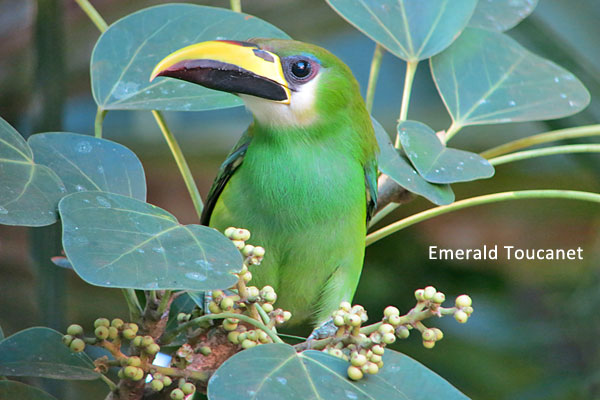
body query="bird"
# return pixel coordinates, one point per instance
(303, 177)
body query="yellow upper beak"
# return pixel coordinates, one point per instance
(230, 66)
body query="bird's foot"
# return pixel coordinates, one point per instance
(325, 330)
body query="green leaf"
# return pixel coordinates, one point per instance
(410, 29)
(436, 162)
(18, 390)
(128, 51)
(40, 352)
(116, 241)
(29, 193)
(184, 303)
(276, 371)
(394, 165)
(501, 15)
(486, 78)
(86, 163)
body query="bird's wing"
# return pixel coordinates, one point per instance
(231, 163)
(371, 185)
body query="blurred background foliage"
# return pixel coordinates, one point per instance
(534, 333)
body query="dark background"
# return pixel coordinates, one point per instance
(534, 333)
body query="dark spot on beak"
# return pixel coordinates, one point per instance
(264, 55)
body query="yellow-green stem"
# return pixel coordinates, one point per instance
(373, 76)
(546, 151)
(546, 137)
(181, 373)
(490, 198)
(182, 164)
(453, 130)
(236, 5)
(100, 114)
(411, 69)
(383, 213)
(135, 308)
(109, 383)
(93, 14)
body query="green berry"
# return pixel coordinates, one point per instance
(385, 328)
(147, 341)
(247, 276)
(214, 308)
(248, 250)
(344, 305)
(429, 292)
(267, 307)
(183, 317)
(428, 344)
(394, 320)
(263, 337)
(287, 315)
(101, 322)
(242, 336)
(167, 381)
(241, 234)
(439, 335)
(463, 301)
(357, 309)
(402, 332)
(358, 360)
(113, 333)
(120, 374)
(133, 327)
(139, 374)
(217, 294)
(270, 297)
(101, 332)
(252, 335)
(227, 303)
(188, 388)
(134, 361)
(439, 298)
(229, 326)
(239, 244)
(338, 321)
(233, 337)
(461, 316)
(352, 320)
(420, 295)
(428, 335)
(388, 338)
(67, 339)
(74, 330)
(391, 310)
(375, 358)
(354, 373)
(157, 385)
(468, 310)
(177, 394)
(258, 251)
(128, 334)
(371, 368)
(137, 341)
(117, 323)
(77, 345)
(205, 350)
(378, 350)
(152, 349)
(229, 232)
(247, 344)
(253, 293)
(130, 372)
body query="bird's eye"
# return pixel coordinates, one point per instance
(301, 69)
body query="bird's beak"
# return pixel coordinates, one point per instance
(228, 66)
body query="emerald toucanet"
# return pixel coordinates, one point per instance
(303, 178)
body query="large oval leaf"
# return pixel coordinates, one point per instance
(29, 193)
(486, 77)
(284, 374)
(391, 163)
(18, 390)
(128, 51)
(116, 241)
(87, 163)
(40, 352)
(410, 29)
(436, 162)
(501, 15)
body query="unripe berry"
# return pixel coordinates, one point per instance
(167, 381)
(77, 345)
(358, 360)
(128, 334)
(258, 251)
(233, 337)
(147, 341)
(429, 344)
(428, 335)
(248, 250)
(375, 358)
(263, 337)
(188, 388)
(247, 276)
(402, 332)
(352, 320)
(157, 385)
(214, 308)
(116, 323)
(378, 350)
(101, 322)
(270, 297)
(287, 315)
(338, 321)
(183, 317)
(385, 328)
(247, 344)
(346, 306)
(67, 339)
(74, 330)
(439, 335)
(242, 336)
(267, 307)
(357, 309)
(130, 372)
(229, 326)
(139, 374)
(134, 361)
(463, 301)
(137, 341)
(120, 374)
(252, 335)
(354, 373)
(468, 310)
(133, 327)
(420, 295)
(177, 394)
(113, 333)
(226, 303)
(101, 332)
(239, 244)
(461, 316)
(388, 338)
(229, 232)
(391, 310)
(394, 320)
(429, 292)
(253, 292)
(217, 294)
(439, 298)
(152, 349)
(371, 368)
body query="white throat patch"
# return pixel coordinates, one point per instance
(299, 112)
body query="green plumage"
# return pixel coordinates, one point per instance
(305, 191)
